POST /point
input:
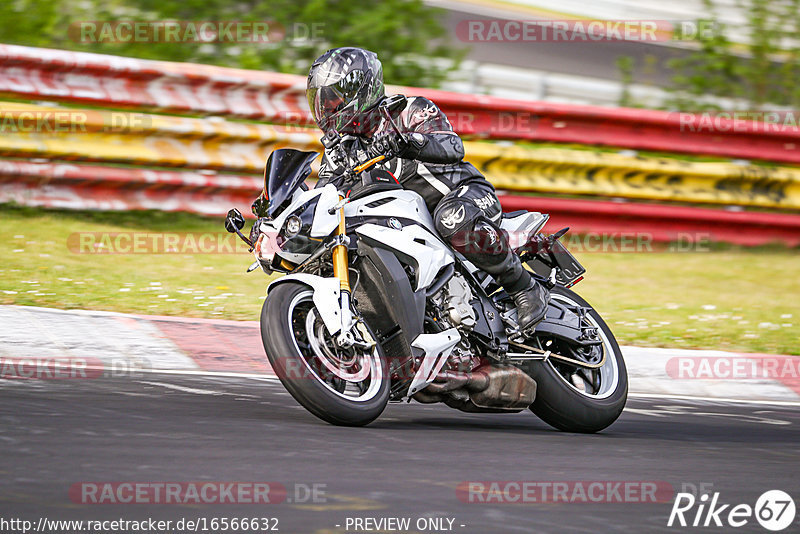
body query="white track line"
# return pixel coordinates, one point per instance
(189, 372)
(272, 378)
(183, 389)
(712, 399)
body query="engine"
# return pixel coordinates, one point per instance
(457, 303)
(453, 304)
(465, 383)
(453, 309)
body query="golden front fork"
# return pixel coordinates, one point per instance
(340, 263)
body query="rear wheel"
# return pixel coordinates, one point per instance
(576, 399)
(343, 386)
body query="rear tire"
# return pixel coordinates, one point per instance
(302, 372)
(563, 406)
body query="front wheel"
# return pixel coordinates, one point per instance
(574, 399)
(341, 386)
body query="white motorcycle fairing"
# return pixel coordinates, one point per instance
(399, 223)
(437, 348)
(412, 241)
(326, 297)
(401, 204)
(419, 241)
(324, 222)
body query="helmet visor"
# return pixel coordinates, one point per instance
(327, 100)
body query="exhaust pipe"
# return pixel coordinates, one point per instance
(447, 381)
(489, 388)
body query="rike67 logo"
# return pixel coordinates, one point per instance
(774, 510)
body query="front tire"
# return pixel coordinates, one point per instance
(349, 389)
(565, 406)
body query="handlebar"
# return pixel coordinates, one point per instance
(367, 164)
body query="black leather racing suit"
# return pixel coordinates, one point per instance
(463, 203)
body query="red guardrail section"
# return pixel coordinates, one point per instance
(599, 220)
(95, 187)
(35, 73)
(114, 81)
(80, 186)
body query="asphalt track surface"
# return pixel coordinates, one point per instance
(595, 59)
(170, 427)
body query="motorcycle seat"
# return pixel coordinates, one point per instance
(521, 225)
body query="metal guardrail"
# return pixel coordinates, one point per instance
(600, 225)
(110, 81)
(504, 81)
(110, 159)
(227, 146)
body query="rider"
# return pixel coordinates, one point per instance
(345, 87)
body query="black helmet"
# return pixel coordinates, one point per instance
(344, 85)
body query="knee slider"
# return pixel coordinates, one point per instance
(455, 216)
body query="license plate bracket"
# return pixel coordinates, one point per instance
(568, 269)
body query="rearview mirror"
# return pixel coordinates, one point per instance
(395, 103)
(234, 221)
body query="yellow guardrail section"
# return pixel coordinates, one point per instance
(143, 139)
(633, 176)
(149, 140)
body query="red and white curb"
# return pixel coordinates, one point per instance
(713, 373)
(124, 342)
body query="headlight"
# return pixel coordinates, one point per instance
(292, 226)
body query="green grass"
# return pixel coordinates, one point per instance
(726, 298)
(40, 269)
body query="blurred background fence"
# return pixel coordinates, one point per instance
(82, 130)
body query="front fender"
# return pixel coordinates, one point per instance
(326, 297)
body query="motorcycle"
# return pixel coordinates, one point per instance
(375, 307)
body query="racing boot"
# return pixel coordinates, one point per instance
(531, 306)
(529, 296)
